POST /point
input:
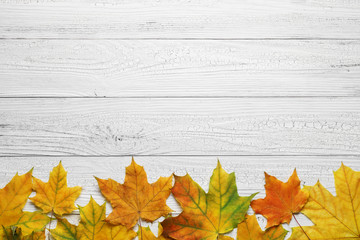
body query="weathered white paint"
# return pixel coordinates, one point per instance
(128, 68)
(180, 126)
(179, 19)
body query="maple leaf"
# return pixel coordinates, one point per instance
(335, 217)
(32, 222)
(206, 215)
(144, 233)
(120, 232)
(223, 237)
(54, 196)
(282, 200)
(136, 198)
(93, 226)
(250, 230)
(64, 230)
(15, 233)
(13, 198)
(35, 236)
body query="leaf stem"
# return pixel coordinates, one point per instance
(140, 229)
(51, 217)
(300, 226)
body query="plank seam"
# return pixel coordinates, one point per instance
(188, 39)
(177, 155)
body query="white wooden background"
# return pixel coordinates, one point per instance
(262, 85)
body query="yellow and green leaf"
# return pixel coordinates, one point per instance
(64, 230)
(93, 226)
(31, 222)
(206, 215)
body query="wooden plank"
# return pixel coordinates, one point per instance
(151, 68)
(248, 169)
(179, 19)
(179, 126)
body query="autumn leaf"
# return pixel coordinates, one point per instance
(93, 226)
(13, 198)
(32, 222)
(64, 230)
(54, 196)
(35, 236)
(136, 198)
(120, 232)
(250, 230)
(282, 200)
(11, 233)
(15, 233)
(206, 215)
(144, 233)
(223, 237)
(333, 217)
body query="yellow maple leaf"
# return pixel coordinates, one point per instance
(32, 222)
(334, 217)
(119, 232)
(93, 226)
(13, 198)
(35, 236)
(144, 233)
(64, 230)
(250, 230)
(136, 198)
(15, 233)
(54, 196)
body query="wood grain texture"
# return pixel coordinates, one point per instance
(184, 126)
(150, 68)
(179, 19)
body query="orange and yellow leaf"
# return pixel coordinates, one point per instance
(282, 200)
(250, 230)
(119, 232)
(144, 233)
(136, 198)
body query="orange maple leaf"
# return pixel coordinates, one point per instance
(55, 196)
(282, 200)
(136, 198)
